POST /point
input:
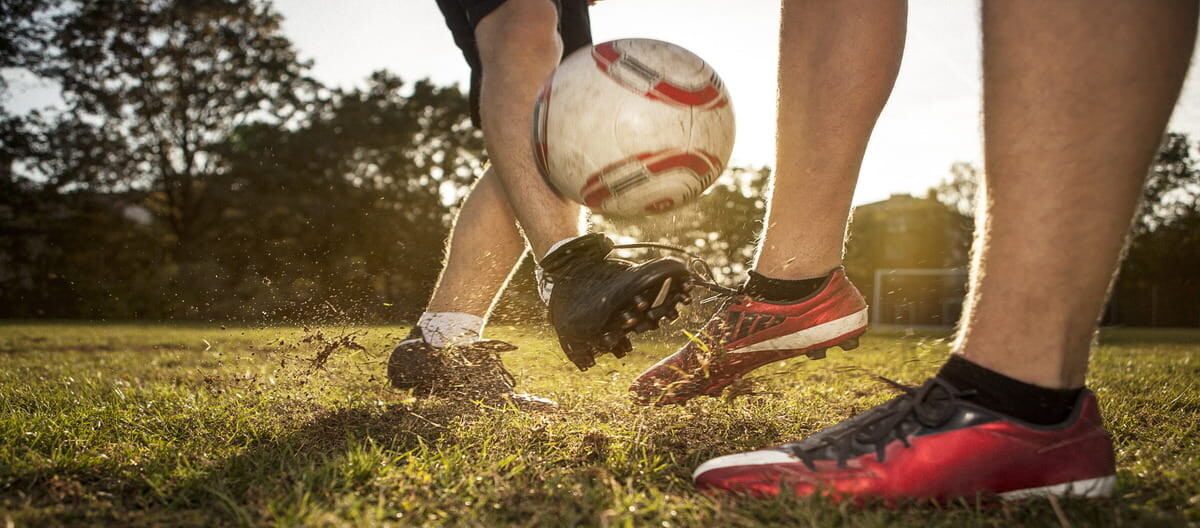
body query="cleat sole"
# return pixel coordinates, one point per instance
(847, 342)
(640, 315)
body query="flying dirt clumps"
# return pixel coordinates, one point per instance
(326, 346)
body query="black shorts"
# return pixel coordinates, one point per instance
(463, 15)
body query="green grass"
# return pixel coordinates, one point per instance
(135, 424)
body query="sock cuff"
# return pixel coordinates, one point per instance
(1009, 396)
(786, 291)
(545, 287)
(448, 328)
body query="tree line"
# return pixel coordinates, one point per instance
(195, 170)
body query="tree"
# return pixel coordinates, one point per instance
(150, 88)
(351, 207)
(24, 29)
(1172, 189)
(1160, 276)
(196, 172)
(958, 190)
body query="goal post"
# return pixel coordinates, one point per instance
(918, 296)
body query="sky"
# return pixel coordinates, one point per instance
(931, 120)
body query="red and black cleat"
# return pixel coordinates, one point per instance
(930, 443)
(745, 334)
(596, 301)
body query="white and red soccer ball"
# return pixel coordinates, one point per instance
(632, 127)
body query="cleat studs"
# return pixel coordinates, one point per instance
(685, 299)
(818, 353)
(610, 340)
(628, 319)
(623, 348)
(641, 303)
(849, 344)
(580, 355)
(687, 287)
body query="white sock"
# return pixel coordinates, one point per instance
(441, 329)
(545, 287)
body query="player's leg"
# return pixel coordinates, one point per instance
(512, 46)
(1071, 128)
(519, 46)
(838, 61)
(445, 353)
(483, 250)
(594, 301)
(1077, 94)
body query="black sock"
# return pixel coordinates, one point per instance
(1005, 395)
(782, 291)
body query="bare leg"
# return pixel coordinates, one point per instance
(1076, 96)
(519, 46)
(824, 122)
(484, 249)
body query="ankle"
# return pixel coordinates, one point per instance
(1009, 396)
(786, 291)
(557, 245)
(441, 329)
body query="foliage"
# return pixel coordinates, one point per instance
(350, 208)
(151, 87)
(1159, 280)
(138, 425)
(722, 226)
(24, 31)
(959, 189)
(196, 172)
(1172, 191)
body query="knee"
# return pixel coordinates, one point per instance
(526, 28)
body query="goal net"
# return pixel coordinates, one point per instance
(918, 296)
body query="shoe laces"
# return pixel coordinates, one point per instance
(929, 405)
(699, 269)
(701, 272)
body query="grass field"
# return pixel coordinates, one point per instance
(192, 425)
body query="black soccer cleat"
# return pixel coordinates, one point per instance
(596, 301)
(473, 371)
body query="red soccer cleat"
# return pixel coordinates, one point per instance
(929, 444)
(746, 334)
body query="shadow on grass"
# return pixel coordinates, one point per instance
(335, 451)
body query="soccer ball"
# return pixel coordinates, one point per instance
(632, 127)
